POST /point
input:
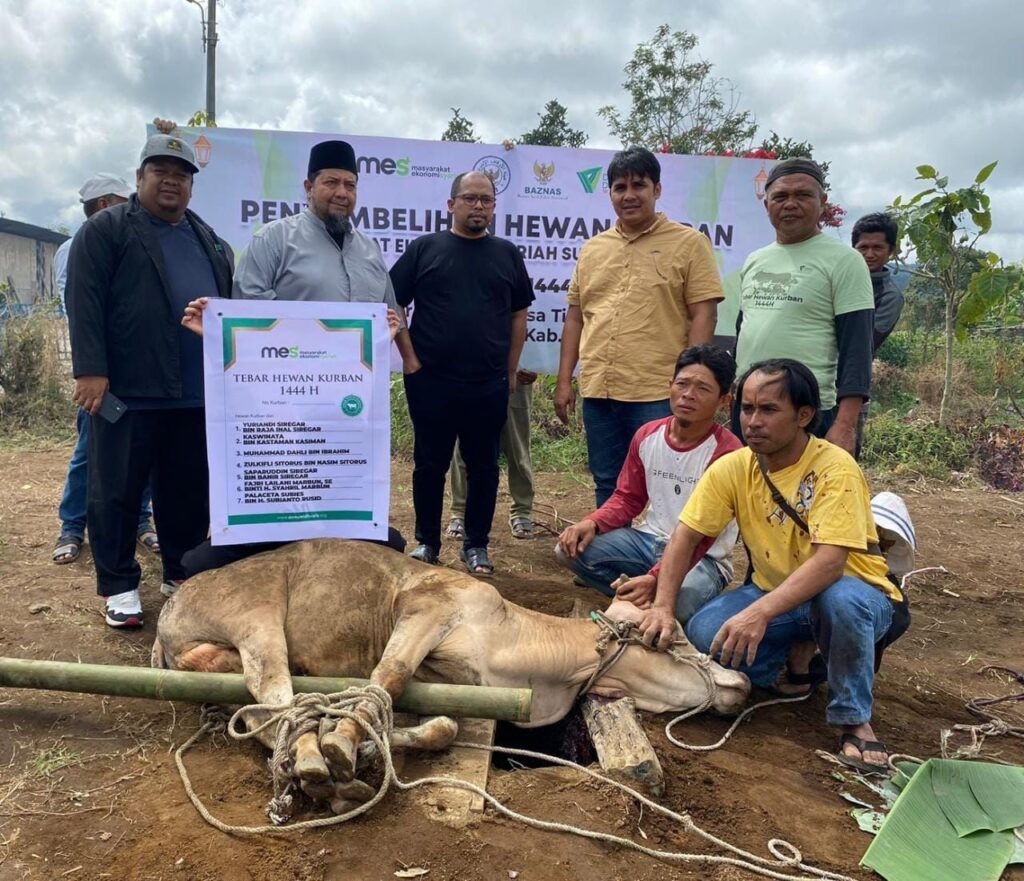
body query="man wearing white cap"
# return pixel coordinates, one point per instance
(98, 192)
(139, 374)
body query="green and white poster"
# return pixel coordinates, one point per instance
(551, 201)
(297, 420)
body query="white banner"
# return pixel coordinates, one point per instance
(297, 420)
(550, 202)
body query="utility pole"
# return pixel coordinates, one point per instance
(209, 19)
(210, 44)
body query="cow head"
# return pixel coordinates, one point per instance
(660, 684)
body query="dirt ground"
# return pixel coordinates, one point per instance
(88, 787)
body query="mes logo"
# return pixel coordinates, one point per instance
(279, 352)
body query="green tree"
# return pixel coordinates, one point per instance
(199, 119)
(677, 105)
(787, 148)
(459, 128)
(554, 130)
(944, 227)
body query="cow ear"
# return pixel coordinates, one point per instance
(620, 610)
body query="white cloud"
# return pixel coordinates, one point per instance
(877, 87)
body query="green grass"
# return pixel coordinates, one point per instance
(48, 761)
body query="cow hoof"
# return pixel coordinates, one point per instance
(341, 753)
(319, 792)
(354, 790)
(311, 768)
(343, 805)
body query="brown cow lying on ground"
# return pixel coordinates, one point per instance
(346, 608)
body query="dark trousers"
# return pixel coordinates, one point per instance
(208, 556)
(443, 411)
(167, 446)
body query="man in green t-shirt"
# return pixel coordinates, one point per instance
(808, 296)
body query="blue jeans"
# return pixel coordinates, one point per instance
(629, 551)
(72, 502)
(847, 620)
(610, 426)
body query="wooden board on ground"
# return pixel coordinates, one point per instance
(623, 749)
(455, 807)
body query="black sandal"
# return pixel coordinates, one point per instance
(477, 562)
(425, 554)
(67, 549)
(865, 746)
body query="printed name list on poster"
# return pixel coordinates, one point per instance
(297, 420)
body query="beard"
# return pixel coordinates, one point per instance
(337, 223)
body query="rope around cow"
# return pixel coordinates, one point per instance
(297, 718)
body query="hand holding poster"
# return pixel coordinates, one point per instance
(297, 420)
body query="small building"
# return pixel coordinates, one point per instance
(26, 260)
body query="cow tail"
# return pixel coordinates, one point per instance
(156, 657)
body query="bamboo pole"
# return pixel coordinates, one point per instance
(422, 698)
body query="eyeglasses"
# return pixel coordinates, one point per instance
(469, 199)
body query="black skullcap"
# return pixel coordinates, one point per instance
(331, 154)
(796, 165)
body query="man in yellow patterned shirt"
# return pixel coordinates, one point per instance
(819, 581)
(641, 292)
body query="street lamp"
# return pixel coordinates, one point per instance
(209, 19)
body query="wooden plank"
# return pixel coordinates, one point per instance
(455, 807)
(623, 748)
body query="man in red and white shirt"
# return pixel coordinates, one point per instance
(666, 458)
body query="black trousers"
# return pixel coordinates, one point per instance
(167, 446)
(208, 556)
(443, 411)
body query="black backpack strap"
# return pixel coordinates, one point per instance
(872, 549)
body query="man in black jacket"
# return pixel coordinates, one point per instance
(132, 270)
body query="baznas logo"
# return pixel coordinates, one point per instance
(497, 170)
(543, 172)
(590, 177)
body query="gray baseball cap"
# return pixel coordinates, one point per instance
(168, 145)
(105, 184)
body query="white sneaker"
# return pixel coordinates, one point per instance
(124, 609)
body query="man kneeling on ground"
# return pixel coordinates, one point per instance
(666, 458)
(819, 581)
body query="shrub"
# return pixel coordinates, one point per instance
(901, 445)
(35, 384)
(895, 350)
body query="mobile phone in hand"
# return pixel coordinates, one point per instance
(111, 408)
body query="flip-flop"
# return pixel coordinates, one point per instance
(456, 528)
(865, 746)
(67, 549)
(816, 674)
(149, 541)
(477, 562)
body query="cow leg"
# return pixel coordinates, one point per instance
(265, 667)
(434, 734)
(414, 637)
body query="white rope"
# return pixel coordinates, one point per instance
(903, 580)
(704, 748)
(378, 702)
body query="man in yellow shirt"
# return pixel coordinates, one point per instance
(641, 292)
(819, 581)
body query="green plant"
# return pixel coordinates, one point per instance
(895, 350)
(944, 227)
(896, 444)
(34, 383)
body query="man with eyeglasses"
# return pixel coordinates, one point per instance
(471, 292)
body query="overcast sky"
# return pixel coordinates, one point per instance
(877, 86)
